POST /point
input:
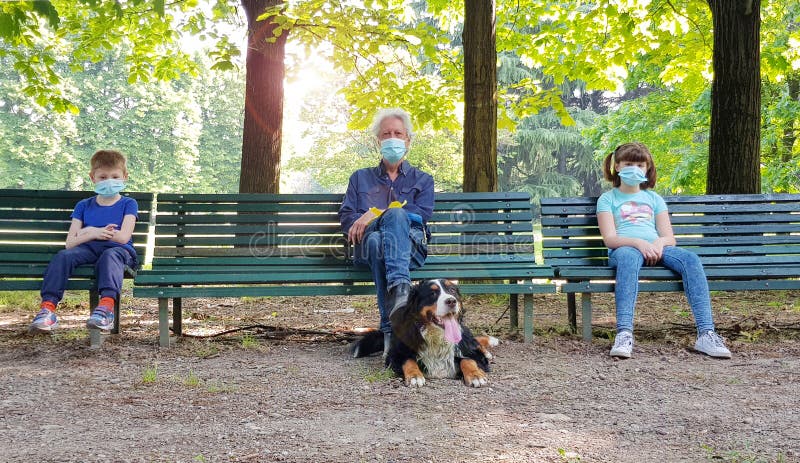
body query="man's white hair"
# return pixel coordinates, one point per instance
(391, 112)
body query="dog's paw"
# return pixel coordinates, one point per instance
(478, 380)
(415, 381)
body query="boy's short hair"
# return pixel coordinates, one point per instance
(109, 159)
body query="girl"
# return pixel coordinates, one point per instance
(636, 228)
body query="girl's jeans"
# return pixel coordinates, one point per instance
(628, 261)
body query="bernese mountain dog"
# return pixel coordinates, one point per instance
(430, 340)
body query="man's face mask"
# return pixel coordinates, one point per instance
(109, 187)
(393, 149)
(632, 176)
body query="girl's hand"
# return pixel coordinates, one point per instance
(651, 251)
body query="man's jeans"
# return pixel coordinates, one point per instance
(628, 261)
(391, 248)
(109, 262)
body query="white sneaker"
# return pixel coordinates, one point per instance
(623, 345)
(711, 344)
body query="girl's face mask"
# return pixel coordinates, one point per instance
(632, 176)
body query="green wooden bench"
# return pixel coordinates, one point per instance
(746, 242)
(33, 228)
(233, 245)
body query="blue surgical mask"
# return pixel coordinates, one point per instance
(632, 176)
(109, 187)
(393, 149)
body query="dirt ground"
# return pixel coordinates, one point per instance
(288, 390)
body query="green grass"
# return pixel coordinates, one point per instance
(29, 300)
(250, 342)
(77, 334)
(205, 350)
(150, 375)
(192, 380)
(740, 456)
(569, 456)
(751, 336)
(214, 388)
(373, 375)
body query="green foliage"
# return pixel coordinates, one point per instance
(162, 128)
(109, 60)
(675, 132)
(546, 158)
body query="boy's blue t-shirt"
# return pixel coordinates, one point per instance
(634, 214)
(94, 215)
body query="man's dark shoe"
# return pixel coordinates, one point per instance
(387, 342)
(398, 296)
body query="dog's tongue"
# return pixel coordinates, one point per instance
(452, 331)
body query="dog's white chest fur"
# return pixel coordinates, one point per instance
(438, 355)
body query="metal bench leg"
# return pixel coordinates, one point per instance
(163, 322)
(571, 317)
(177, 316)
(115, 330)
(513, 311)
(586, 315)
(528, 321)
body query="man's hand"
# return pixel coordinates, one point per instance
(356, 232)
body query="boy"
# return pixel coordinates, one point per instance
(100, 234)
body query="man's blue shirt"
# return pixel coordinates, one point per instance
(371, 187)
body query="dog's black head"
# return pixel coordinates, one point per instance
(432, 304)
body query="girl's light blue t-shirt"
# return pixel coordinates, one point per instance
(634, 214)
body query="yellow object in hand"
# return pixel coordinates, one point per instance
(392, 205)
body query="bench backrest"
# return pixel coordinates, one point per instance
(34, 223)
(271, 229)
(722, 229)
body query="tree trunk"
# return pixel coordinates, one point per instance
(791, 129)
(263, 102)
(480, 97)
(734, 145)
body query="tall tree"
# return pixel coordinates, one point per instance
(734, 148)
(480, 96)
(263, 101)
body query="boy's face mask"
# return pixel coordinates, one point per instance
(393, 149)
(109, 187)
(632, 176)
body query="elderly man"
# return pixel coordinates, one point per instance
(385, 212)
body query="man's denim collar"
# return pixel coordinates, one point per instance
(381, 169)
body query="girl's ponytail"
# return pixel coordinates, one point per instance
(607, 168)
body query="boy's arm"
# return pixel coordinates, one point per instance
(78, 234)
(125, 232)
